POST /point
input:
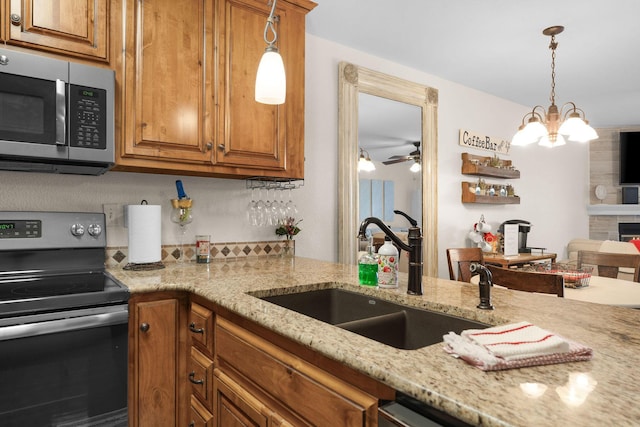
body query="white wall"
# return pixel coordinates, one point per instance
(553, 187)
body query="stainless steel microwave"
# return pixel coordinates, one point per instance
(55, 116)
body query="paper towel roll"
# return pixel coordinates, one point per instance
(145, 233)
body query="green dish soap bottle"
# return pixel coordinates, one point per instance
(368, 267)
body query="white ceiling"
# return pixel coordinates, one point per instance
(497, 46)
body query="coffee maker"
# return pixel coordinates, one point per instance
(523, 229)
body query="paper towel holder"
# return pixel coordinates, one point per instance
(143, 266)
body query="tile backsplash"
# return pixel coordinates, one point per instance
(117, 256)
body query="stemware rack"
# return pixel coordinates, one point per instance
(273, 183)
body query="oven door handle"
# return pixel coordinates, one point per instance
(63, 325)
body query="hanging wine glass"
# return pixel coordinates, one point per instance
(292, 210)
(260, 211)
(181, 215)
(252, 209)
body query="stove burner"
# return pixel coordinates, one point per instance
(52, 285)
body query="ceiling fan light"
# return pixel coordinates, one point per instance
(415, 167)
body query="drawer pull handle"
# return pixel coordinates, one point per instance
(192, 328)
(144, 327)
(192, 377)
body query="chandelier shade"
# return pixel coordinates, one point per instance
(552, 128)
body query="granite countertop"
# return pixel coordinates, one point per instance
(502, 398)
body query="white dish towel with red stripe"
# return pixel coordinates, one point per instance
(512, 346)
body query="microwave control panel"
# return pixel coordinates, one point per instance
(87, 122)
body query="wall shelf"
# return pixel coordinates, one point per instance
(469, 197)
(475, 165)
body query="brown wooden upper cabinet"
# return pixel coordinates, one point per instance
(187, 89)
(76, 28)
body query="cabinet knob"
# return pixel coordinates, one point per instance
(209, 146)
(192, 328)
(192, 378)
(220, 147)
(16, 19)
(144, 327)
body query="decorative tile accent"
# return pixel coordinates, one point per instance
(118, 256)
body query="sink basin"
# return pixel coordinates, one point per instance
(387, 322)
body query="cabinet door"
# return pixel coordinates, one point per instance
(168, 95)
(235, 407)
(154, 325)
(254, 135)
(70, 27)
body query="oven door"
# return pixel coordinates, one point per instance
(65, 369)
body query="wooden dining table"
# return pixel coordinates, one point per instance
(602, 290)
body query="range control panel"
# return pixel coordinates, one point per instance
(51, 230)
(20, 229)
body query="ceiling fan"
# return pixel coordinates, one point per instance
(414, 155)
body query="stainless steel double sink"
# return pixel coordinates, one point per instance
(397, 325)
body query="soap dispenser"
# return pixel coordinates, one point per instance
(368, 267)
(388, 265)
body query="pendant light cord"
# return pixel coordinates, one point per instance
(271, 26)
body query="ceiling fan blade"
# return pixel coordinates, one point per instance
(391, 162)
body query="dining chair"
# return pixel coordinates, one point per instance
(609, 263)
(459, 260)
(528, 281)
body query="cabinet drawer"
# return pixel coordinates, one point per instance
(201, 326)
(298, 385)
(199, 416)
(201, 377)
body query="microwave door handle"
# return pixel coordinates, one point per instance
(61, 112)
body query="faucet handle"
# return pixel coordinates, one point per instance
(412, 221)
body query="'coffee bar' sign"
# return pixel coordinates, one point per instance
(483, 142)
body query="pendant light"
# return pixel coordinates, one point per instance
(554, 127)
(271, 81)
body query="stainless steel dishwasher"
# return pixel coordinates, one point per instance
(406, 411)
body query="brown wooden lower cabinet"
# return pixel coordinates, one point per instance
(200, 365)
(157, 350)
(287, 385)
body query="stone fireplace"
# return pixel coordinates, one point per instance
(605, 215)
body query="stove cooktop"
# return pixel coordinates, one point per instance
(31, 295)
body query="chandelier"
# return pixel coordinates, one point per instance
(553, 127)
